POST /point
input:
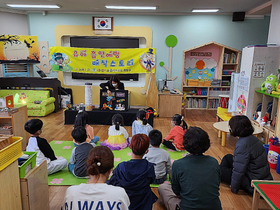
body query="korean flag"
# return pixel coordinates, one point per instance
(102, 23)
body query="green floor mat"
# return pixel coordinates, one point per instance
(64, 149)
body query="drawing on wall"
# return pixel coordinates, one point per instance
(197, 68)
(19, 49)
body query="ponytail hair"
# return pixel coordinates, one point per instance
(81, 119)
(100, 160)
(117, 119)
(178, 119)
(142, 115)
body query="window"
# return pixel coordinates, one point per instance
(16, 70)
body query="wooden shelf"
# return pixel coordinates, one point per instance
(264, 98)
(17, 121)
(6, 117)
(196, 108)
(196, 96)
(226, 54)
(185, 86)
(196, 86)
(263, 92)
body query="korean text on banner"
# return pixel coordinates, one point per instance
(103, 61)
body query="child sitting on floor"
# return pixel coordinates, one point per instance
(141, 125)
(80, 153)
(82, 120)
(117, 135)
(174, 140)
(95, 194)
(158, 156)
(42, 147)
(136, 175)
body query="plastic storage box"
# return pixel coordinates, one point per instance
(10, 153)
(28, 164)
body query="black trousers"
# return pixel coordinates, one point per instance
(226, 167)
(168, 144)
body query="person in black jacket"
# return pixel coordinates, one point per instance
(249, 161)
(113, 84)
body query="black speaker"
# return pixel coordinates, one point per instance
(238, 16)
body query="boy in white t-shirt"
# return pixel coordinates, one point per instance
(42, 147)
(158, 156)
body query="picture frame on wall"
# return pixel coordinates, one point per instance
(102, 23)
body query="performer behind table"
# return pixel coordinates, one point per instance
(113, 84)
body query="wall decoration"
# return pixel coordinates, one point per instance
(171, 41)
(258, 69)
(103, 61)
(19, 49)
(102, 23)
(201, 63)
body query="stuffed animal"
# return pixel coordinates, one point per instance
(271, 80)
(277, 92)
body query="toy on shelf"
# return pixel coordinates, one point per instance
(274, 140)
(265, 119)
(270, 82)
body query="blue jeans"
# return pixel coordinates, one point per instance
(70, 167)
(94, 140)
(161, 180)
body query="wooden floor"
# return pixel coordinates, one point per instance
(54, 129)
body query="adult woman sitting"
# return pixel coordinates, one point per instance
(249, 160)
(113, 84)
(195, 178)
(96, 194)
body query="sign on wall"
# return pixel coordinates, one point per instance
(100, 61)
(19, 49)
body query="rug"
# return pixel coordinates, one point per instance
(64, 149)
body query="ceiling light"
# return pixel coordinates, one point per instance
(33, 6)
(205, 10)
(128, 7)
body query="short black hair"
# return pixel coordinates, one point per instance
(155, 137)
(196, 141)
(241, 126)
(79, 134)
(33, 125)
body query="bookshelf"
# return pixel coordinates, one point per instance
(201, 97)
(17, 121)
(264, 98)
(199, 92)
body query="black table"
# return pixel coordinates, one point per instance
(104, 117)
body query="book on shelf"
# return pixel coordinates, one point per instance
(196, 103)
(229, 58)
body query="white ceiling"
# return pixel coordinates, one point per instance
(164, 7)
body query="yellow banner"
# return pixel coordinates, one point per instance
(19, 49)
(103, 61)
